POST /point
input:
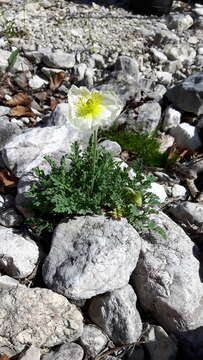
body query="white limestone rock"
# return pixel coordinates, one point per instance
(167, 280)
(180, 22)
(172, 118)
(186, 136)
(112, 146)
(91, 255)
(59, 59)
(36, 82)
(39, 317)
(178, 191)
(27, 151)
(147, 120)
(7, 282)
(158, 190)
(116, 313)
(18, 254)
(93, 340)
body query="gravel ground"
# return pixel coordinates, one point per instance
(84, 27)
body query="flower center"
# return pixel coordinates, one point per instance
(89, 106)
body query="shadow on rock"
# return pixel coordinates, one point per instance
(190, 345)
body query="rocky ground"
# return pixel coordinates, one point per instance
(103, 288)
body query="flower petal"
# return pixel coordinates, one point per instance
(86, 110)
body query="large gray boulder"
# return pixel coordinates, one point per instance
(18, 254)
(27, 151)
(167, 279)
(36, 316)
(188, 94)
(116, 313)
(91, 255)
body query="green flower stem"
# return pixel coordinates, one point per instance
(94, 156)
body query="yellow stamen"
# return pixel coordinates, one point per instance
(89, 106)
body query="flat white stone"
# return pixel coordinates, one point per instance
(37, 82)
(158, 190)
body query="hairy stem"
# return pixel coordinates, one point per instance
(94, 156)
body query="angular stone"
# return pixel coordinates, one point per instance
(93, 340)
(7, 282)
(188, 213)
(4, 55)
(91, 255)
(148, 118)
(36, 56)
(10, 218)
(166, 278)
(128, 65)
(165, 37)
(157, 93)
(21, 65)
(22, 201)
(36, 82)
(18, 254)
(116, 313)
(39, 317)
(186, 136)
(79, 71)
(7, 131)
(112, 146)
(59, 115)
(158, 55)
(59, 59)
(65, 352)
(158, 190)
(184, 54)
(124, 85)
(172, 118)
(4, 110)
(188, 95)
(27, 150)
(178, 191)
(164, 77)
(180, 22)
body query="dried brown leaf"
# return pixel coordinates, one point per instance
(19, 111)
(2, 93)
(56, 80)
(4, 357)
(19, 99)
(54, 103)
(7, 179)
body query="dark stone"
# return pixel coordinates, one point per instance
(188, 94)
(151, 7)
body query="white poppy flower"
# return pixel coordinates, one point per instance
(92, 109)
